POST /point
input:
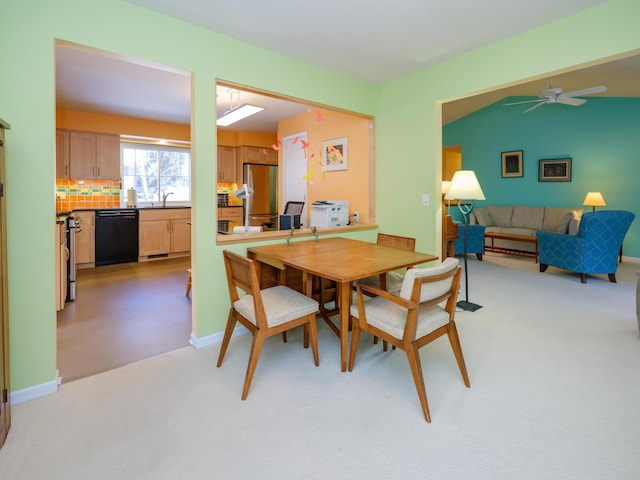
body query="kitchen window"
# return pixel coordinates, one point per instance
(155, 171)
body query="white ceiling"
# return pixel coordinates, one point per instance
(95, 81)
(370, 40)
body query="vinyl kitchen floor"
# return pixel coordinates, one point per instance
(123, 313)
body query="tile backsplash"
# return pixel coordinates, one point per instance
(77, 194)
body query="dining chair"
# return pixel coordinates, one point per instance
(413, 318)
(391, 281)
(263, 312)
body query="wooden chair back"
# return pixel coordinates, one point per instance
(396, 241)
(242, 275)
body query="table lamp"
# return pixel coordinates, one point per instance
(594, 199)
(465, 186)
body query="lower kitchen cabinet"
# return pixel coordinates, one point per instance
(86, 239)
(164, 233)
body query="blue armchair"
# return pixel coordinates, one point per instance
(593, 250)
(475, 242)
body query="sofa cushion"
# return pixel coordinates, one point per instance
(482, 217)
(500, 215)
(527, 217)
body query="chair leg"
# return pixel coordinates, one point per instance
(228, 331)
(256, 348)
(454, 340)
(479, 255)
(413, 356)
(583, 278)
(284, 336)
(313, 337)
(612, 278)
(543, 267)
(188, 282)
(355, 338)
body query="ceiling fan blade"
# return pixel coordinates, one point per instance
(542, 102)
(525, 101)
(586, 91)
(575, 102)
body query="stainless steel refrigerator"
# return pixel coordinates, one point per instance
(263, 204)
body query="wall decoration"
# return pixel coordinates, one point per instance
(554, 170)
(334, 154)
(512, 164)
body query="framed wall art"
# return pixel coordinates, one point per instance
(334, 154)
(512, 164)
(554, 170)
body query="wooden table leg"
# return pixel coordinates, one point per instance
(345, 304)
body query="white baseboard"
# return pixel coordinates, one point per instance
(215, 338)
(37, 391)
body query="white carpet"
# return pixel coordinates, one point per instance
(555, 390)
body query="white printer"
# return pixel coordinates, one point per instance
(329, 213)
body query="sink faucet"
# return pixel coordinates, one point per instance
(164, 197)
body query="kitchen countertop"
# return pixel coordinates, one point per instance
(168, 207)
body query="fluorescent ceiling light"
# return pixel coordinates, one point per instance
(236, 114)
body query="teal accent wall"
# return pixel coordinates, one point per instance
(600, 136)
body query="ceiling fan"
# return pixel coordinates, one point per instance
(556, 95)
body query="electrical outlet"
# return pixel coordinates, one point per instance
(356, 216)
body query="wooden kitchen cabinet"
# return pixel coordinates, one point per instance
(164, 233)
(262, 155)
(62, 154)
(233, 214)
(86, 239)
(94, 156)
(227, 169)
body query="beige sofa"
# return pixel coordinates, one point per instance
(524, 220)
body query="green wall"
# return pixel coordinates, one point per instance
(600, 136)
(408, 132)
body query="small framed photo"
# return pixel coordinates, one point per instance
(512, 164)
(334, 154)
(554, 170)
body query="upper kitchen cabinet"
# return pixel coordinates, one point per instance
(266, 156)
(94, 156)
(227, 172)
(62, 154)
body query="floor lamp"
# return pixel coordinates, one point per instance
(464, 187)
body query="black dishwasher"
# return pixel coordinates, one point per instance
(116, 236)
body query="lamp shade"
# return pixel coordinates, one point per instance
(464, 186)
(594, 199)
(445, 186)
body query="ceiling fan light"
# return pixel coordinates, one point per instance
(237, 114)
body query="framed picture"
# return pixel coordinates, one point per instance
(334, 154)
(512, 164)
(554, 170)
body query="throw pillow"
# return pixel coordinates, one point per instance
(563, 226)
(482, 217)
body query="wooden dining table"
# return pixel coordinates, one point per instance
(342, 260)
